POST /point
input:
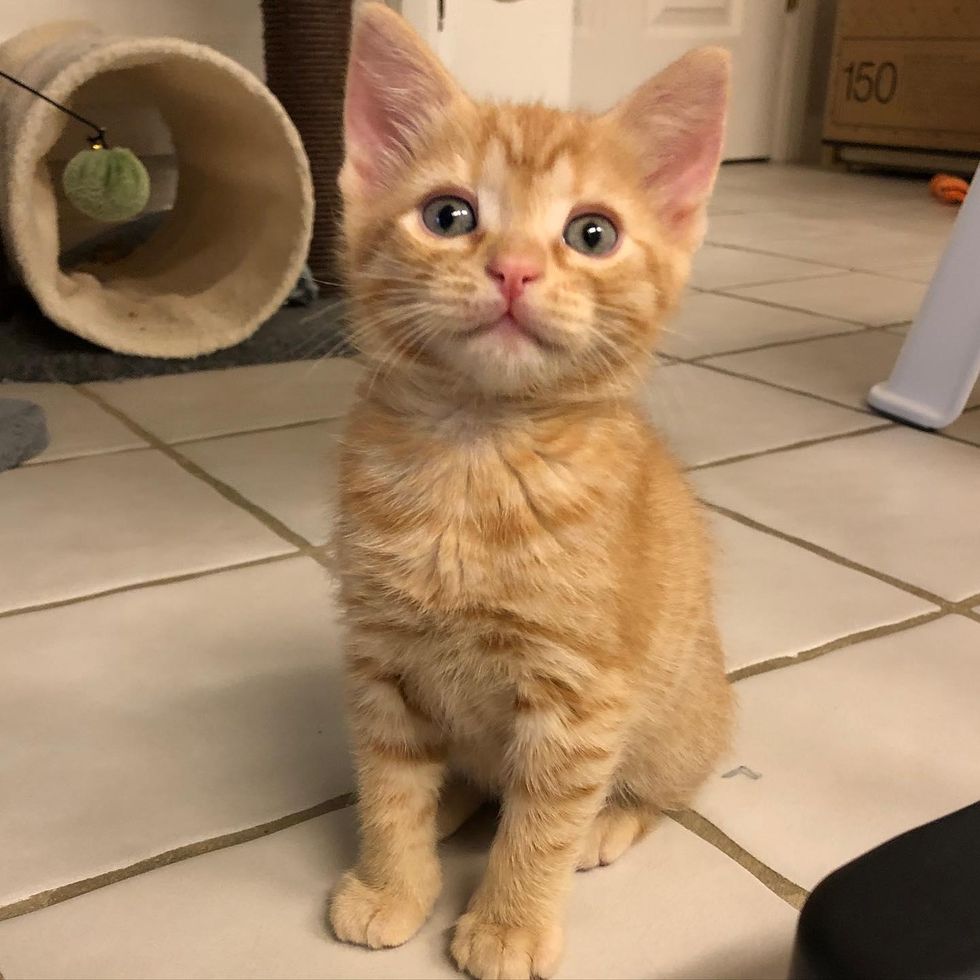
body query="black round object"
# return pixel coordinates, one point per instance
(908, 910)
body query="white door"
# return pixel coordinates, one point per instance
(619, 43)
(519, 50)
(590, 53)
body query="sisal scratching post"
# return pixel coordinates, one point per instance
(306, 45)
(232, 246)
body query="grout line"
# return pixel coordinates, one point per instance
(795, 309)
(777, 255)
(62, 893)
(150, 583)
(31, 464)
(887, 421)
(704, 361)
(787, 342)
(803, 309)
(970, 614)
(853, 269)
(788, 891)
(780, 387)
(777, 663)
(817, 549)
(830, 272)
(225, 490)
(769, 345)
(802, 444)
(946, 435)
(893, 275)
(302, 424)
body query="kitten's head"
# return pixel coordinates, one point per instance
(518, 250)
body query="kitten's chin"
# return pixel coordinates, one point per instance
(503, 360)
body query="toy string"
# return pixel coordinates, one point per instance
(99, 136)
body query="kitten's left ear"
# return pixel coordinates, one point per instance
(677, 120)
(395, 88)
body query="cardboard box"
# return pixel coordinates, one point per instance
(906, 73)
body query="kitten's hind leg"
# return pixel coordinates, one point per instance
(458, 802)
(616, 828)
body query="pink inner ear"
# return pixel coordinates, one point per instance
(370, 130)
(685, 173)
(679, 120)
(393, 86)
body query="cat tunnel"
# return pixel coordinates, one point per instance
(229, 174)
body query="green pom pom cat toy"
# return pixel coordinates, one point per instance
(109, 185)
(106, 184)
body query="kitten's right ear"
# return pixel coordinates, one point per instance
(395, 88)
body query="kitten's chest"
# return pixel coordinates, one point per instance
(454, 523)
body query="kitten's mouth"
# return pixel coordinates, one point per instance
(511, 332)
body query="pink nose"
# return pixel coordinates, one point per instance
(512, 273)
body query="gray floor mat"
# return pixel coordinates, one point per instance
(34, 349)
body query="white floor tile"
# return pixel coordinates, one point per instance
(853, 748)
(207, 403)
(856, 296)
(843, 369)
(729, 200)
(76, 426)
(922, 271)
(146, 720)
(291, 473)
(854, 224)
(894, 501)
(720, 268)
(710, 324)
(87, 525)
(794, 184)
(774, 599)
(866, 244)
(708, 416)
(967, 426)
(773, 230)
(675, 907)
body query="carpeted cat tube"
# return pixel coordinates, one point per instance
(232, 246)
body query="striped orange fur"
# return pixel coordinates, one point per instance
(525, 571)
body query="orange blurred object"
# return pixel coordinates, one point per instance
(949, 189)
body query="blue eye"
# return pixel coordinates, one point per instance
(449, 216)
(591, 234)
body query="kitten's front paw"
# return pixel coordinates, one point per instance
(612, 833)
(490, 951)
(373, 917)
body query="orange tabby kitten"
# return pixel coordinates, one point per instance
(524, 568)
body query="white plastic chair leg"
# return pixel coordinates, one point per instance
(940, 360)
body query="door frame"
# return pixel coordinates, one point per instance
(789, 136)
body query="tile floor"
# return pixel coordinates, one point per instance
(174, 781)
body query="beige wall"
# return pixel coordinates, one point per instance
(232, 26)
